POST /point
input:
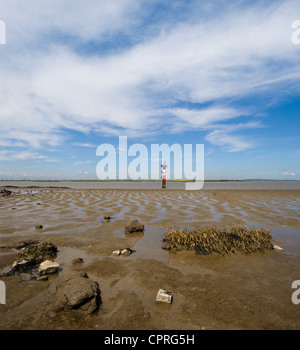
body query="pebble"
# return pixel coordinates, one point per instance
(116, 252)
(164, 296)
(124, 252)
(276, 247)
(47, 267)
(77, 261)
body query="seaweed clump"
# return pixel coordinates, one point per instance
(39, 252)
(31, 255)
(209, 240)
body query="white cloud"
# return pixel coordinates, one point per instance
(232, 143)
(11, 155)
(33, 20)
(82, 162)
(85, 144)
(288, 173)
(45, 92)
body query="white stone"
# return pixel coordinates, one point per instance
(276, 247)
(47, 267)
(163, 296)
(126, 252)
(116, 252)
(22, 262)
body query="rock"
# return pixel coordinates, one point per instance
(106, 219)
(276, 247)
(116, 252)
(77, 261)
(134, 226)
(30, 256)
(5, 193)
(39, 227)
(126, 251)
(24, 265)
(48, 267)
(40, 252)
(77, 291)
(163, 296)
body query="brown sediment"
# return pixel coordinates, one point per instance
(210, 292)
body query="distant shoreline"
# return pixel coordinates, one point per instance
(144, 180)
(153, 185)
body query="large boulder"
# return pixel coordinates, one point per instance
(134, 226)
(77, 291)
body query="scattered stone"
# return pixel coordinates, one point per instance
(116, 252)
(24, 265)
(77, 291)
(48, 267)
(40, 252)
(134, 226)
(77, 261)
(106, 219)
(39, 227)
(276, 247)
(163, 296)
(5, 193)
(126, 251)
(30, 256)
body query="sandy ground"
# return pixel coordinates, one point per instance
(210, 292)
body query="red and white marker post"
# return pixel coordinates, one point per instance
(164, 174)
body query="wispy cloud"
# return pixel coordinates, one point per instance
(210, 63)
(231, 142)
(10, 155)
(82, 162)
(288, 173)
(88, 145)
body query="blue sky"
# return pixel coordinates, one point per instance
(77, 74)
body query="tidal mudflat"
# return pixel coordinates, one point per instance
(236, 291)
